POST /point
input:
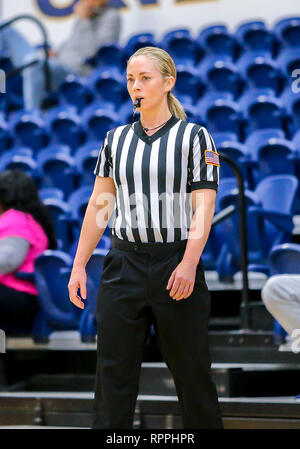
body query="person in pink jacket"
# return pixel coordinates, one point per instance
(26, 230)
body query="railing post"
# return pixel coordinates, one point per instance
(245, 317)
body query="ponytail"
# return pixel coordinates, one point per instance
(175, 107)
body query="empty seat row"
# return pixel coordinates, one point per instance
(217, 110)
(215, 39)
(269, 213)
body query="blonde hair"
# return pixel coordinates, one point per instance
(166, 66)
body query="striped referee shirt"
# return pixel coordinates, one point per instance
(154, 176)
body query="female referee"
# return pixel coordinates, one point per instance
(160, 175)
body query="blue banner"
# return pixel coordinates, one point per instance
(50, 8)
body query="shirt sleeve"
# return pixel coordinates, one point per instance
(204, 165)
(13, 251)
(104, 165)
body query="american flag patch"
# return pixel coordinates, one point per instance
(211, 157)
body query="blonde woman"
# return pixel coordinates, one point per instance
(160, 175)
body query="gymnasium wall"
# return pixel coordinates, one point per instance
(157, 16)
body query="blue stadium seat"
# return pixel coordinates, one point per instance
(288, 31)
(291, 100)
(52, 269)
(65, 127)
(261, 71)
(138, 41)
(224, 136)
(170, 34)
(238, 152)
(85, 160)
(55, 148)
(217, 39)
(262, 111)
(277, 156)
(255, 36)
(188, 83)
(6, 139)
(18, 160)
(296, 140)
(255, 141)
(125, 113)
(13, 100)
(77, 202)
(192, 113)
(74, 91)
(87, 325)
(29, 130)
(276, 198)
(226, 186)
(19, 151)
(63, 222)
(57, 169)
(215, 240)
(51, 192)
(181, 46)
(103, 244)
(288, 60)
(109, 87)
(253, 93)
(111, 55)
(221, 115)
(213, 95)
(285, 259)
(259, 137)
(269, 216)
(98, 121)
(221, 74)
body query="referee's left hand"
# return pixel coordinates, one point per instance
(182, 280)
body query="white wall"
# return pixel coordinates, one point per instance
(162, 17)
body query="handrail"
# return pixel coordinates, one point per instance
(15, 71)
(223, 214)
(44, 45)
(245, 319)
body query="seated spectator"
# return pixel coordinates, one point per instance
(281, 296)
(26, 230)
(96, 24)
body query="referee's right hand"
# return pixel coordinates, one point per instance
(77, 281)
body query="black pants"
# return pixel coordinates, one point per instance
(132, 294)
(17, 310)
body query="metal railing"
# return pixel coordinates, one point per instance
(227, 212)
(44, 46)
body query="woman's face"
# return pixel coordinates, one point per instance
(145, 81)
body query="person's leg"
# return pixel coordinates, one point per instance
(123, 328)
(182, 331)
(281, 296)
(17, 47)
(34, 81)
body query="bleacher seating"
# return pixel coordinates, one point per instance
(270, 209)
(236, 83)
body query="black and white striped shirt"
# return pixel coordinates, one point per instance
(154, 176)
